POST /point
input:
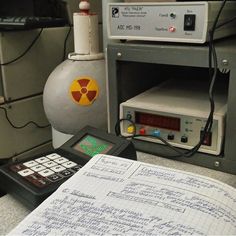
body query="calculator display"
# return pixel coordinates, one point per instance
(91, 146)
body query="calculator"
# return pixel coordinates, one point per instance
(34, 179)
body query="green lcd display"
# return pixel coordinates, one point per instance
(91, 146)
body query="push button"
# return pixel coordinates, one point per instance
(156, 133)
(142, 131)
(184, 139)
(170, 137)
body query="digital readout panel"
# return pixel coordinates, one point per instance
(165, 122)
(91, 146)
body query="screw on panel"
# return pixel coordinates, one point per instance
(119, 54)
(217, 163)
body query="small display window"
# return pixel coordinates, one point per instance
(165, 122)
(91, 146)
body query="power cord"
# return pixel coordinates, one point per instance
(212, 75)
(27, 49)
(65, 42)
(22, 126)
(10, 62)
(17, 58)
(118, 133)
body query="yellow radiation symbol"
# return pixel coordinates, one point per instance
(84, 90)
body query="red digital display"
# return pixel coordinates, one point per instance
(165, 122)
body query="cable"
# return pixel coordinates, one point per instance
(27, 49)
(17, 58)
(209, 122)
(226, 22)
(212, 54)
(118, 133)
(22, 126)
(4, 109)
(134, 135)
(65, 42)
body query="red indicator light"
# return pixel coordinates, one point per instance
(172, 29)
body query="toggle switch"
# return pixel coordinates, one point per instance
(189, 22)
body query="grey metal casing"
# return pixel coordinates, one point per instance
(123, 85)
(27, 76)
(16, 141)
(165, 21)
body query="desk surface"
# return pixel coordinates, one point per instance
(12, 211)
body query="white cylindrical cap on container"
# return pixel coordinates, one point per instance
(86, 39)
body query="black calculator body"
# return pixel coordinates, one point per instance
(34, 179)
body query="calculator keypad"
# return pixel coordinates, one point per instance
(45, 170)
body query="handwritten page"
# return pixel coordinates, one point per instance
(116, 196)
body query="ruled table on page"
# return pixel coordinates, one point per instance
(112, 195)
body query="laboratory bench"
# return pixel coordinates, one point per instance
(12, 211)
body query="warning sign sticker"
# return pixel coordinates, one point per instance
(84, 90)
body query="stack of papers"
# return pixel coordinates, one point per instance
(112, 195)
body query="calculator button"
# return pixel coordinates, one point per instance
(61, 160)
(25, 172)
(50, 164)
(76, 168)
(42, 160)
(30, 163)
(33, 177)
(58, 168)
(54, 177)
(41, 182)
(53, 156)
(46, 172)
(17, 167)
(38, 168)
(66, 173)
(38, 180)
(69, 164)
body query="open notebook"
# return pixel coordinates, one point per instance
(112, 195)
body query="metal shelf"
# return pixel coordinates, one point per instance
(154, 56)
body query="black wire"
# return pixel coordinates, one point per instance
(17, 58)
(27, 49)
(208, 125)
(65, 42)
(165, 143)
(22, 126)
(212, 54)
(226, 22)
(134, 135)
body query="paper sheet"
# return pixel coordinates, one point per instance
(112, 195)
